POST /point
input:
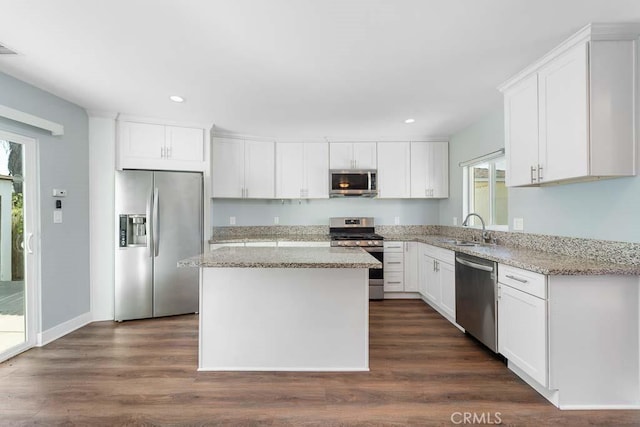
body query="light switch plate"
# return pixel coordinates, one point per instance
(232, 220)
(518, 224)
(57, 216)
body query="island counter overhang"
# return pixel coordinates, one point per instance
(284, 309)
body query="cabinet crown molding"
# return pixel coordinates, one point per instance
(166, 122)
(590, 32)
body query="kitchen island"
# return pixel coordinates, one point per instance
(284, 309)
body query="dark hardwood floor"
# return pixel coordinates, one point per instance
(423, 372)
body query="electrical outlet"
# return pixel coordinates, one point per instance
(455, 220)
(232, 220)
(396, 220)
(57, 216)
(276, 220)
(518, 224)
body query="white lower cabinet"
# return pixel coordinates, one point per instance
(411, 283)
(401, 268)
(437, 282)
(447, 275)
(522, 331)
(393, 266)
(522, 321)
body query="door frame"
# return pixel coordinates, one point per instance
(31, 191)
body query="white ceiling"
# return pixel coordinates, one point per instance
(291, 68)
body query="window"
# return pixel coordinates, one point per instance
(485, 192)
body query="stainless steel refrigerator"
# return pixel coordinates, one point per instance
(159, 221)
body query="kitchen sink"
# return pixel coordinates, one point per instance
(459, 242)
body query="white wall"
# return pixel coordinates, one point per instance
(63, 163)
(482, 137)
(102, 137)
(607, 209)
(317, 212)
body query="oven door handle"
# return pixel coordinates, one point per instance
(474, 265)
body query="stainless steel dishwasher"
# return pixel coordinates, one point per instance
(476, 283)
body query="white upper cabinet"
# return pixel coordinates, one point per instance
(289, 170)
(302, 170)
(521, 130)
(243, 169)
(227, 168)
(570, 116)
(429, 169)
(352, 155)
(394, 170)
(184, 144)
(158, 146)
(259, 169)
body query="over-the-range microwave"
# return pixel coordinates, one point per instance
(353, 182)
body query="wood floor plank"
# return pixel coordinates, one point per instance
(423, 371)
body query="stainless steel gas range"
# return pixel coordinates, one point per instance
(360, 232)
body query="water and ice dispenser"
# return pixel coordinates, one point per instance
(133, 230)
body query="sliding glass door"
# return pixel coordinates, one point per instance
(18, 308)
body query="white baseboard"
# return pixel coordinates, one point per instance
(281, 369)
(401, 295)
(63, 329)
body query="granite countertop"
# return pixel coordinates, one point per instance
(279, 257)
(272, 238)
(533, 260)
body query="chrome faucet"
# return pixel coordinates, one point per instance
(485, 233)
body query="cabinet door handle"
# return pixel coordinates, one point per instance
(517, 279)
(539, 173)
(437, 266)
(393, 262)
(394, 283)
(533, 171)
(168, 150)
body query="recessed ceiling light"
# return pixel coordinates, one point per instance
(176, 98)
(409, 121)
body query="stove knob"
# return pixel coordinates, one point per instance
(370, 243)
(357, 243)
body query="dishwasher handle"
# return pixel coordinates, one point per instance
(474, 265)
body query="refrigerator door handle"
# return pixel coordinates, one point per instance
(156, 232)
(149, 224)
